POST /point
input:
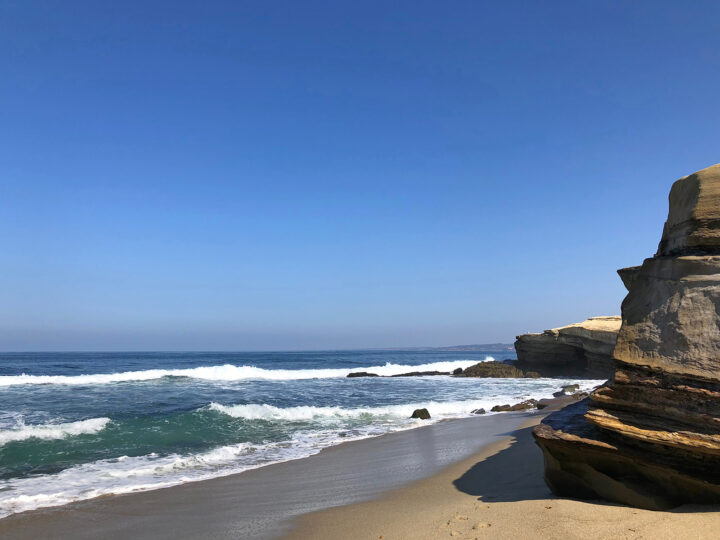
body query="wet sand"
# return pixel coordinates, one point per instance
(260, 503)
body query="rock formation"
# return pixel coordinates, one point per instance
(651, 437)
(580, 349)
(491, 369)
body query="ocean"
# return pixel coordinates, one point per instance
(75, 426)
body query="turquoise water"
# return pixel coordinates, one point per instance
(78, 425)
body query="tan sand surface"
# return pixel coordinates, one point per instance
(499, 493)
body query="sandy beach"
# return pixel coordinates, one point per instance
(499, 493)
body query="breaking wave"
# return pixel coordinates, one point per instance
(53, 431)
(229, 372)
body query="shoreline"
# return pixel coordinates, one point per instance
(260, 503)
(499, 493)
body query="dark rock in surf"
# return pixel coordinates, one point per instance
(421, 414)
(524, 405)
(500, 408)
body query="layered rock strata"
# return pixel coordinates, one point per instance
(582, 349)
(651, 437)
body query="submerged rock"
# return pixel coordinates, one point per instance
(577, 349)
(651, 437)
(568, 390)
(420, 373)
(362, 374)
(492, 369)
(421, 414)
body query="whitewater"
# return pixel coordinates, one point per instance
(228, 372)
(78, 426)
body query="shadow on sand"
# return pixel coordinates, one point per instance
(512, 474)
(516, 474)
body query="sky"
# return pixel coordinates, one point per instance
(286, 175)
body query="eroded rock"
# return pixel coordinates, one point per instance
(651, 437)
(580, 349)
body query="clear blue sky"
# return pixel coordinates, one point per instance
(297, 175)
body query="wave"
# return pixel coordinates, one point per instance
(329, 426)
(444, 409)
(53, 431)
(229, 372)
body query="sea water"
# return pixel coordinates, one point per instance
(75, 426)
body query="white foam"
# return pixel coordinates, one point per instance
(445, 409)
(229, 372)
(144, 473)
(53, 431)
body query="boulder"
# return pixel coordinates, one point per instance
(478, 411)
(457, 371)
(651, 437)
(362, 374)
(500, 408)
(524, 405)
(580, 349)
(491, 369)
(421, 414)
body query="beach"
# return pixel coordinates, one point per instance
(466, 478)
(499, 493)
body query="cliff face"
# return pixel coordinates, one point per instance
(583, 349)
(651, 438)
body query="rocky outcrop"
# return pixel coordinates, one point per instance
(491, 369)
(581, 349)
(651, 437)
(481, 369)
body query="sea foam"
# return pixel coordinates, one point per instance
(53, 431)
(446, 409)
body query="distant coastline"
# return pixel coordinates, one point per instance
(486, 347)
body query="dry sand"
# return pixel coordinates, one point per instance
(499, 493)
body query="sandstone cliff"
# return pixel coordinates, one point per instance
(651, 438)
(582, 349)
